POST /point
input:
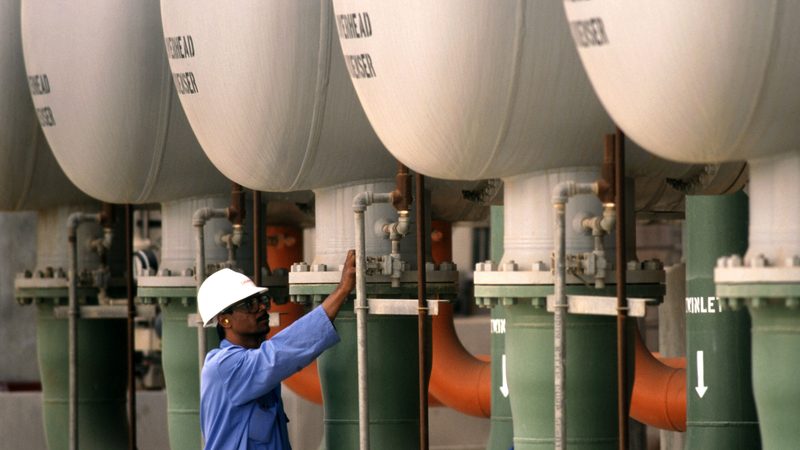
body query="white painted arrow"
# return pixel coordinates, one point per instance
(701, 385)
(504, 387)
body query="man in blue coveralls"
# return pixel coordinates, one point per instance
(240, 388)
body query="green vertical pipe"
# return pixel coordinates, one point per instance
(393, 383)
(590, 385)
(102, 418)
(725, 415)
(776, 358)
(179, 358)
(501, 434)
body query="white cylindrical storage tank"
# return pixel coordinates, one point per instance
(695, 82)
(518, 103)
(110, 112)
(495, 89)
(268, 95)
(30, 177)
(716, 81)
(697, 99)
(111, 115)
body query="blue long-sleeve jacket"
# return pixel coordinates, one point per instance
(240, 397)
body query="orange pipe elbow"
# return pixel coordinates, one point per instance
(458, 379)
(305, 383)
(659, 391)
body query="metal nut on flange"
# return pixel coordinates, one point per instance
(430, 267)
(632, 265)
(447, 266)
(722, 262)
(508, 301)
(653, 264)
(757, 302)
(758, 261)
(188, 272)
(539, 266)
(735, 261)
(510, 266)
(165, 272)
(793, 261)
(735, 304)
(485, 266)
(319, 268)
(299, 267)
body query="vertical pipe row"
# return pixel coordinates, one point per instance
(200, 274)
(721, 410)
(422, 308)
(622, 299)
(72, 330)
(361, 332)
(559, 341)
(73, 221)
(131, 326)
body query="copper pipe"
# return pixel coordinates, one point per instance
(458, 379)
(258, 258)
(659, 390)
(107, 215)
(131, 327)
(622, 298)
(422, 316)
(237, 210)
(607, 181)
(676, 362)
(402, 195)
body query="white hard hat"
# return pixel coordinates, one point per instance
(221, 290)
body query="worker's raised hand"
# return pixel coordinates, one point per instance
(348, 281)
(336, 299)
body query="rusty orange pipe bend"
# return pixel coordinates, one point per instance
(305, 383)
(458, 379)
(678, 362)
(659, 391)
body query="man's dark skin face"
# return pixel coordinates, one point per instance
(244, 328)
